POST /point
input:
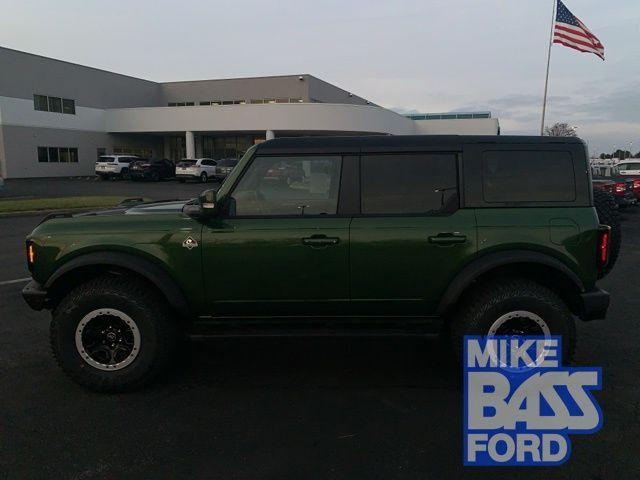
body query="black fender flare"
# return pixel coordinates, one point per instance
(490, 261)
(147, 269)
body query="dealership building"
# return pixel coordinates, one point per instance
(57, 117)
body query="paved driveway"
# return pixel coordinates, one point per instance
(290, 408)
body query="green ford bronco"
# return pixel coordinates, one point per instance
(464, 234)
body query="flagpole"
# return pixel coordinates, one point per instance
(546, 81)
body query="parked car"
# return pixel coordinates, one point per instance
(629, 169)
(379, 233)
(225, 167)
(152, 169)
(196, 169)
(114, 166)
(621, 188)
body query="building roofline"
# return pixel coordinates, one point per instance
(241, 78)
(162, 82)
(78, 65)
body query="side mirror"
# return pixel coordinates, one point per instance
(204, 207)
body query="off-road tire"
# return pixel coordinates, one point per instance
(159, 332)
(486, 303)
(608, 215)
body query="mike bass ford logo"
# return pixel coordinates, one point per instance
(521, 405)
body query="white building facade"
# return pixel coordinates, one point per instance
(56, 117)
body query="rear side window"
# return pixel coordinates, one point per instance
(528, 176)
(409, 184)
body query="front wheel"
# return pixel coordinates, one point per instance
(124, 174)
(514, 307)
(113, 334)
(204, 177)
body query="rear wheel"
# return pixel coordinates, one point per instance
(514, 307)
(204, 177)
(113, 334)
(607, 210)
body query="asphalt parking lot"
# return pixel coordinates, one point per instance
(290, 408)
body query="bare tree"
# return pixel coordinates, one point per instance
(560, 130)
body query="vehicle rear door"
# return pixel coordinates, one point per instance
(410, 237)
(281, 247)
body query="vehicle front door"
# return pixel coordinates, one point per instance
(410, 237)
(279, 246)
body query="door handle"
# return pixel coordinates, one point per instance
(447, 238)
(320, 241)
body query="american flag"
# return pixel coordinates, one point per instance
(572, 33)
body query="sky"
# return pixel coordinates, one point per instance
(408, 55)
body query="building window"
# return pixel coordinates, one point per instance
(43, 155)
(68, 106)
(55, 104)
(40, 103)
(100, 152)
(44, 103)
(142, 152)
(189, 104)
(205, 103)
(53, 155)
(57, 155)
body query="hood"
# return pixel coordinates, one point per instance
(174, 206)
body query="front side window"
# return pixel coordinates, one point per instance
(290, 186)
(406, 184)
(528, 176)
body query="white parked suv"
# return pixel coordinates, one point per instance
(196, 169)
(628, 167)
(110, 166)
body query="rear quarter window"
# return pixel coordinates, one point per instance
(528, 176)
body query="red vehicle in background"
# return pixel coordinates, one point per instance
(629, 169)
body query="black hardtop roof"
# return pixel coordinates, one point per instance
(398, 142)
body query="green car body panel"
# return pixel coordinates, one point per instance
(377, 266)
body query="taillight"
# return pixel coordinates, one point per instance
(604, 245)
(636, 184)
(620, 187)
